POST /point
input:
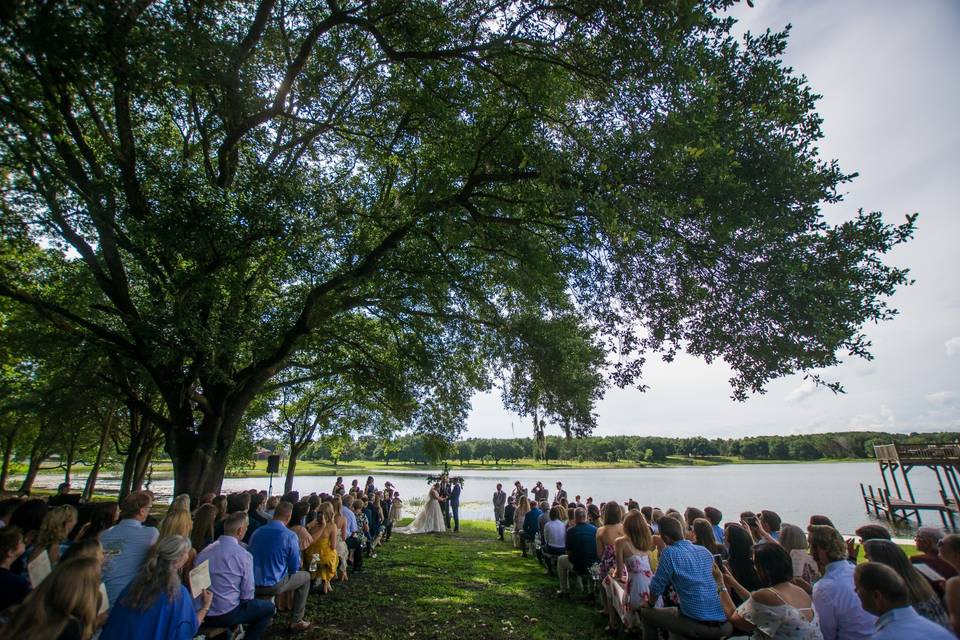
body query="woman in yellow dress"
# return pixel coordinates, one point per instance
(324, 545)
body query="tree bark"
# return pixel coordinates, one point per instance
(91, 483)
(291, 469)
(9, 439)
(32, 470)
(200, 457)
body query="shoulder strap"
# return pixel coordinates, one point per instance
(776, 593)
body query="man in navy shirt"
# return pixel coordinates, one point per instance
(276, 563)
(531, 526)
(581, 547)
(13, 588)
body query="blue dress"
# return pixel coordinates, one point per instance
(166, 619)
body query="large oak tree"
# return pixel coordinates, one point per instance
(220, 181)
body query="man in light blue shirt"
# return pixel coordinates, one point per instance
(232, 581)
(125, 544)
(276, 563)
(883, 593)
(842, 617)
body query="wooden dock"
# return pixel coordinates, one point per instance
(942, 459)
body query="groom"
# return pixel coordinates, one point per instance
(455, 504)
(445, 491)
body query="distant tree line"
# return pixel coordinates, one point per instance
(418, 450)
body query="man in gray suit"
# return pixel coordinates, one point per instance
(499, 502)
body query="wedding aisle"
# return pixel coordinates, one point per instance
(449, 586)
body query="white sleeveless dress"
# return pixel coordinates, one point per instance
(780, 622)
(429, 520)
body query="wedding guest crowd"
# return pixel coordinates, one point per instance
(73, 571)
(664, 574)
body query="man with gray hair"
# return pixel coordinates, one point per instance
(581, 547)
(232, 581)
(276, 563)
(927, 541)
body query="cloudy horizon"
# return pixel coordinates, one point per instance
(889, 73)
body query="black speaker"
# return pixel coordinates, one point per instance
(273, 464)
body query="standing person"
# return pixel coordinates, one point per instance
(276, 563)
(232, 582)
(689, 569)
(841, 614)
(561, 494)
(156, 604)
(540, 492)
(883, 593)
(455, 504)
(370, 488)
(386, 503)
(518, 492)
(499, 503)
(338, 488)
(445, 491)
(127, 543)
(509, 513)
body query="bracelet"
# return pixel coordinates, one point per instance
(722, 589)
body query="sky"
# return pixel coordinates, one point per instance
(889, 74)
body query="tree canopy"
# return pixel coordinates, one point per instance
(210, 191)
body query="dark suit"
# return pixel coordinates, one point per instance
(455, 506)
(445, 504)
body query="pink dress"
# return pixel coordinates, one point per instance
(626, 600)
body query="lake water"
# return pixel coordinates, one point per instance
(795, 491)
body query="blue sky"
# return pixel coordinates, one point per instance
(889, 73)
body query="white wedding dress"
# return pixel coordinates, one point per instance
(429, 520)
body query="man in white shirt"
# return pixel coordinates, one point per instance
(835, 599)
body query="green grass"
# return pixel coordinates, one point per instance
(448, 586)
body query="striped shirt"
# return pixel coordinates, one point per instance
(689, 568)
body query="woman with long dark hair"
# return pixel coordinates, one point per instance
(922, 596)
(739, 544)
(156, 604)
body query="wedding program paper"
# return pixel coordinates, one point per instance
(200, 578)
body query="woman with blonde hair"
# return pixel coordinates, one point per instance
(181, 503)
(156, 604)
(64, 605)
(54, 529)
(523, 508)
(794, 540)
(340, 522)
(179, 522)
(324, 546)
(220, 502)
(636, 559)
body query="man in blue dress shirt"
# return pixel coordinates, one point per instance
(232, 581)
(125, 544)
(689, 568)
(884, 593)
(276, 563)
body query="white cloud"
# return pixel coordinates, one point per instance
(942, 397)
(884, 420)
(806, 389)
(953, 346)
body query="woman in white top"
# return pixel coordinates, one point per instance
(781, 611)
(555, 532)
(794, 540)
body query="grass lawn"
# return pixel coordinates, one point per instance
(464, 585)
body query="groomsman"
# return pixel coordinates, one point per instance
(561, 494)
(499, 502)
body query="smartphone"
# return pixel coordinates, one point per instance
(718, 560)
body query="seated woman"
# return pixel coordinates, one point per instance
(52, 536)
(794, 540)
(324, 546)
(922, 596)
(64, 606)
(103, 515)
(739, 545)
(607, 535)
(779, 611)
(636, 561)
(156, 604)
(204, 523)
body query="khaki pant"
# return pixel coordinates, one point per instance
(679, 626)
(564, 567)
(299, 583)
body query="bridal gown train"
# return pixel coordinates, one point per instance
(429, 520)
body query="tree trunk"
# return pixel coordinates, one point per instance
(133, 451)
(68, 467)
(200, 456)
(7, 454)
(32, 470)
(91, 483)
(540, 440)
(291, 469)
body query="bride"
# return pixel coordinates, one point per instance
(430, 518)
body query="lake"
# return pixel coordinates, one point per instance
(795, 491)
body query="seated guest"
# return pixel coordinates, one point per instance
(103, 515)
(127, 543)
(922, 596)
(509, 510)
(523, 507)
(544, 518)
(770, 523)
(256, 515)
(883, 593)
(63, 607)
(703, 536)
(751, 522)
(714, 515)
(950, 552)
(86, 548)
(630, 584)
(324, 546)
(821, 520)
(927, 542)
(64, 497)
(276, 563)
(13, 587)
(354, 537)
(204, 523)
(156, 604)
(555, 533)
(53, 532)
(580, 545)
(780, 611)
(689, 515)
(841, 615)
(531, 526)
(593, 515)
(7, 507)
(232, 582)
(688, 568)
(740, 559)
(794, 540)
